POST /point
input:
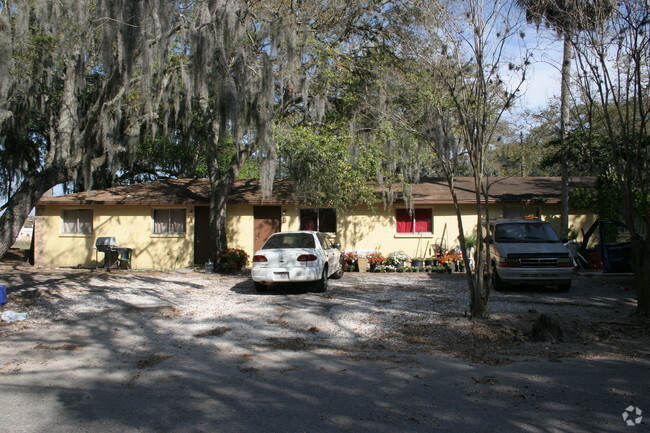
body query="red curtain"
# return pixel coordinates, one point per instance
(423, 220)
(404, 221)
(420, 222)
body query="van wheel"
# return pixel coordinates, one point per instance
(321, 285)
(497, 283)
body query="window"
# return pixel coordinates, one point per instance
(290, 240)
(78, 221)
(419, 222)
(322, 220)
(169, 221)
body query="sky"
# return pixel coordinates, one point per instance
(544, 84)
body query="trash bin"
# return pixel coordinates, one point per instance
(3, 295)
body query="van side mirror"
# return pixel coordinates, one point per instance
(488, 239)
(337, 246)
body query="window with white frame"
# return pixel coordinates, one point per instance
(78, 221)
(169, 221)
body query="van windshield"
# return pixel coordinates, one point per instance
(525, 232)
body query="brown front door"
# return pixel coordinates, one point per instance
(267, 222)
(201, 234)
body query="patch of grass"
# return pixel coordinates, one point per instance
(243, 360)
(215, 332)
(295, 344)
(150, 361)
(69, 347)
(157, 310)
(278, 321)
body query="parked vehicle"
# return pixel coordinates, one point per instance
(615, 247)
(301, 256)
(527, 250)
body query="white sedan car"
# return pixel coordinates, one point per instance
(297, 257)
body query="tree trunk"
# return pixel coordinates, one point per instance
(23, 201)
(565, 94)
(461, 238)
(221, 183)
(219, 193)
(641, 269)
(587, 235)
(479, 300)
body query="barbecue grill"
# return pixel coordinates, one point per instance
(114, 256)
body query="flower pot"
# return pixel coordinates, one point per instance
(417, 263)
(363, 264)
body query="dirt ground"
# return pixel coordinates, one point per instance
(408, 313)
(184, 351)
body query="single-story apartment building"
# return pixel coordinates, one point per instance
(166, 222)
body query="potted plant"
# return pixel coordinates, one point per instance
(351, 261)
(397, 259)
(447, 260)
(430, 261)
(233, 259)
(374, 259)
(417, 262)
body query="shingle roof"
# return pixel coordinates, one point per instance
(428, 191)
(501, 189)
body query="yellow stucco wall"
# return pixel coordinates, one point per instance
(239, 226)
(357, 229)
(132, 226)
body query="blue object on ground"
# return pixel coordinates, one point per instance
(3, 295)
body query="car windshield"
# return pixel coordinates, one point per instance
(290, 240)
(525, 232)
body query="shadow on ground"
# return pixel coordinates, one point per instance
(146, 369)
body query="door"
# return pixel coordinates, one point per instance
(201, 234)
(267, 221)
(333, 260)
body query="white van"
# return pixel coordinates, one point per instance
(528, 251)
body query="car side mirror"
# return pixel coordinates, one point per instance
(336, 245)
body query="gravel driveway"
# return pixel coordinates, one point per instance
(186, 351)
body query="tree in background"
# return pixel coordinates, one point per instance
(79, 83)
(103, 77)
(463, 46)
(358, 86)
(325, 168)
(613, 61)
(567, 18)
